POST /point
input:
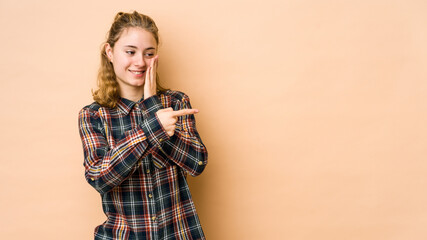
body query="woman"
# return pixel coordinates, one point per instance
(140, 141)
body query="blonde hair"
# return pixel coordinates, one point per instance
(108, 93)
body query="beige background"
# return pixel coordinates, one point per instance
(314, 114)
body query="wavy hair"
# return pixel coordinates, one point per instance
(108, 93)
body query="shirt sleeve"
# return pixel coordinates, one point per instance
(185, 148)
(105, 167)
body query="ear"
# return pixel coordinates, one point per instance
(109, 52)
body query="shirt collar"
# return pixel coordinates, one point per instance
(125, 105)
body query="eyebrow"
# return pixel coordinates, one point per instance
(150, 48)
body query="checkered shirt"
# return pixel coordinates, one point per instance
(140, 171)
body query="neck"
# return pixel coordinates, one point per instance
(133, 94)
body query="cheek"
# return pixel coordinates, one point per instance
(120, 63)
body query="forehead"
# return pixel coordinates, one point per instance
(137, 37)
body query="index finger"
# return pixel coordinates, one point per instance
(183, 112)
(154, 60)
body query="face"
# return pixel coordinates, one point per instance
(131, 56)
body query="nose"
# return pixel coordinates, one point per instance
(140, 61)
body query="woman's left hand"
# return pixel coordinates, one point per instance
(150, 78)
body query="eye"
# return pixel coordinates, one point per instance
(130, 52)
(149, 55)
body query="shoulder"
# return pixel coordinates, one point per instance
(91, 110)
(93, 106)
(175, 99)
(175, 95)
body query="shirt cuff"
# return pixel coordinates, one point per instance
(154, 131)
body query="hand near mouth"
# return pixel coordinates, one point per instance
(150, 78)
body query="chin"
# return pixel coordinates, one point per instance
(138, 83)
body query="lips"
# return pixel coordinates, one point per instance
(137, 73)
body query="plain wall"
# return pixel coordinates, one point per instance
(313, 112)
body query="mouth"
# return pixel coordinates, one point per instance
(138, 73)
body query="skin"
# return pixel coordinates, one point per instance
(135, 61)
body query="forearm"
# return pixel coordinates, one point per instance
(108, 166)
(185, 147)
(189, 153)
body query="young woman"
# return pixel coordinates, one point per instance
(140, 141)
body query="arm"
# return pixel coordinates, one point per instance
(105, 167)
(185, 147)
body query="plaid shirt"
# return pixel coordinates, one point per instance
(140, 171)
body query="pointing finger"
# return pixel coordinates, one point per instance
(183, 112)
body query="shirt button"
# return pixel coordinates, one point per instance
(93, 179)
(150, 196)
(161, 140)
(200, 163)
(153, 218)
(147, 171)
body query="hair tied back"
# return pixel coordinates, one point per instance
(118, 15)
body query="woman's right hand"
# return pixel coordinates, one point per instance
(168, 118)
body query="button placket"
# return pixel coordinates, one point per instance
(150, 195)
(153, 208)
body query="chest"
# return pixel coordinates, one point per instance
(115, 124)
